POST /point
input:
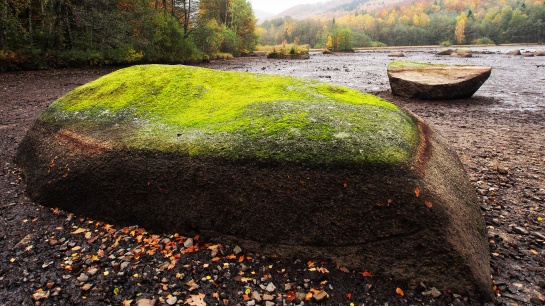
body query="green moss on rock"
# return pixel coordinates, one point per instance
(203, 112)
(401, 64)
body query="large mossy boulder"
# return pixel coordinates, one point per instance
(435, 81)
(276, 164)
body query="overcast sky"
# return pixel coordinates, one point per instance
(277, 6)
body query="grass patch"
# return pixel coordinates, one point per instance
(237, 115)
(284, 50)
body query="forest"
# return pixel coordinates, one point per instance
(428, 22)
(39, 34)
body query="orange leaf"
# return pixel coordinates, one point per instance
(400, 292)
(290, 296)
(241, 258)
(417, 192)
(308, 296)
(215, 259)
(429, 204)
(365, 274)
(349, 296)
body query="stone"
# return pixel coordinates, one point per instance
(445, 51)
(396, 54)
(200, 151)
(270, 287)
(434, 81)
(188, 242)
(528, 54)
(432, 292)
(514, 52)
(268, 297)
(83, 277)
(256, 296)
(237, 250)
(539, 53)
(520, 230)
(172, 300)
(92, 271)
(463, 52)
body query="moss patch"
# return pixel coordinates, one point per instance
(412, 65)
(203, 112)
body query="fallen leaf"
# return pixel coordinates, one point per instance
(534, 252)
(365, 274)
(290, 296)
(349, 296)
(308, 296)
(428, 204)
(400, 292)
(127, 302)
(196, 300)
(417, 192)
(78, 231)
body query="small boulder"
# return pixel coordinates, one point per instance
(528, 54)
(396, 54)
(445, 51)
(514, 52)
(435, 82)
(463, 52)
(539, 53)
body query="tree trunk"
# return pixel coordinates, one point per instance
(30, 22)
(3, 24)
(165, 7)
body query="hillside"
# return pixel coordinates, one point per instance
(335, 8)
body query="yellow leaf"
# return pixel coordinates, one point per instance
(539, 219)
(247, 291)
(78, 231)
(308, 296)
(534, 252)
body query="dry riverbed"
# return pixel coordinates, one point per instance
(53, 258)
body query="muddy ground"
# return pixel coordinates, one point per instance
(49, 257)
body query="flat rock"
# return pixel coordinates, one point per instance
(463, 52)
(514, 52)
(539, 53)
(396, 54)
(200, 151)
(435, 82)
(445, 51)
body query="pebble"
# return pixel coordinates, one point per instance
(268, 297)
(86, 287)
(538, 235)
(519, 230)
(270, 287)
(250, 303)
(269, 303)
(83, 277)
(256, 296)
(92, 271)
(237, 250)
(433, 292)
(40, 295)
(172, 300)
(188, 243)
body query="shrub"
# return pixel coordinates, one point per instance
(446, 43)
